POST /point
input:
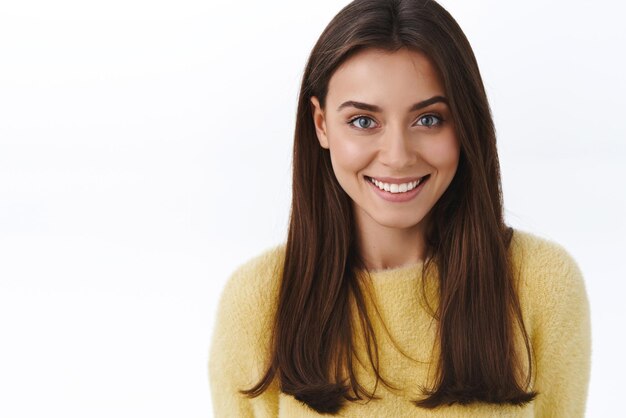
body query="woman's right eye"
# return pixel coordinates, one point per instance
(363, 122)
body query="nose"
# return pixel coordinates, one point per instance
(395, 149)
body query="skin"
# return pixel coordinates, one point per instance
(393, 142)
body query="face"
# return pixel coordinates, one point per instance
(387, 125)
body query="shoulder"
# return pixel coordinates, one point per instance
(555, 303)
(254, 283)
(240, 342)
(540, 258)
(549, 278)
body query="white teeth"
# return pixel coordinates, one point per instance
(396, 188)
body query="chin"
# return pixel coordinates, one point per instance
(399, 223)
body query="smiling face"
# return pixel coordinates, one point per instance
(386, 121)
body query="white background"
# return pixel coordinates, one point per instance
(145, 153)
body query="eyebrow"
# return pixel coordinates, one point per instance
(374, 108)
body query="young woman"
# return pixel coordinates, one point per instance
(400, 291)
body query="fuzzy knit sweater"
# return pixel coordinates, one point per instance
(555, 310)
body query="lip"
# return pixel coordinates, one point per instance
(398, 197)
(393, 180)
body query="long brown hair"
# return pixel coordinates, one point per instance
(467, 239)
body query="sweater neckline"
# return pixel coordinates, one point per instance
(406, 272)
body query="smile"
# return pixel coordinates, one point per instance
(397, 187)
(397, 193)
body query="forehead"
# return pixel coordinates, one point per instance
(383, 77)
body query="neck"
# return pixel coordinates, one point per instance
(383, 247)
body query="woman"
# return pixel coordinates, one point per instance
(400, 290)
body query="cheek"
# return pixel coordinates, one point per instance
(443, 153)
(347, 154)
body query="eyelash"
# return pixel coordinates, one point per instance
(441, 120)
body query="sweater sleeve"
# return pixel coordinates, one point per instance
(238, 352)
(562, 338)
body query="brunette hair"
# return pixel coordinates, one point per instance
(467, 240)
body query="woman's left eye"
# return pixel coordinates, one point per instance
(430, 121)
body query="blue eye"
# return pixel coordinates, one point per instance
(362, 125)
(430, 121)
(365, 122)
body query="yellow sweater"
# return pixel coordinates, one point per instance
(554, 306)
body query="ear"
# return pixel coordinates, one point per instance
(320, 122)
